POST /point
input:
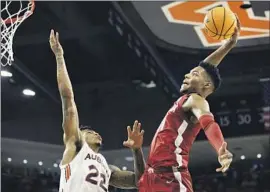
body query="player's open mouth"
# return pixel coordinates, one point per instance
(99, 142)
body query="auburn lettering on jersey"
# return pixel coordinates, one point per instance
(88, 171)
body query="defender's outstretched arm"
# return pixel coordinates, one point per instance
(139, 163)
(70, 115)
(134, 142)
(128, 179)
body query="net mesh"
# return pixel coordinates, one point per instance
(13, 13)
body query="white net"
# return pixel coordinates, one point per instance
(13, 13)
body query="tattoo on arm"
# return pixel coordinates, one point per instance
(64, 83)
(70, 114)
(127, 179)
(122, 179)
(139, 163)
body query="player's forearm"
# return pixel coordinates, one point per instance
(122, 179)
(70, 115)
(212, 131)
(214, 136)
(139, 163)
(217, 56)
(64, 84)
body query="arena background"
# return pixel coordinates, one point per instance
(122, 70)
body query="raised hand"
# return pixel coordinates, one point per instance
(135, 136)
(55, 44)
(224, 158)
(237, 30)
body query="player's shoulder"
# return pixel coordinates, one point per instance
(196, 97)
(195, 101)
(198, 100)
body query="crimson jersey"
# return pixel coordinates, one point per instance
(174, 137)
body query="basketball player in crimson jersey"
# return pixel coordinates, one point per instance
(167, 165)
(83, 168)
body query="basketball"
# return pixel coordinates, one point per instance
(220, 23)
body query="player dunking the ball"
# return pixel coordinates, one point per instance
(167, 165)
(83, 168)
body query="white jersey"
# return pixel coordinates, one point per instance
(87, 172)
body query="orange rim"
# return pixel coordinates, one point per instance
(30, 12)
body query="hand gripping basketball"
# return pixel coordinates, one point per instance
(237, 30)
(135, 136)
(55, 44)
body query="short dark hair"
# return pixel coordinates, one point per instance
(86, 127)
(213, 72)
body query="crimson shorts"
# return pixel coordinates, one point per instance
(165, 182)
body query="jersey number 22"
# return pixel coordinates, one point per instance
(93, 177)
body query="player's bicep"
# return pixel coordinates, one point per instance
(122, 179)
(70, 122)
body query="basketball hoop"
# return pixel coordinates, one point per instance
(13, 13)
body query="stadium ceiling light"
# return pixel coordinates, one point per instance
(124, 168)
(138, 52)
(25, 161)
(259, 155)
(9, 159)
(149, 85)
(6, 73)
(129, 158)
(242, 157)
(29, 92)
(152, 84)
(55, 165)
(110, 19)
(119, 30)
(119, 19)
(40, 163)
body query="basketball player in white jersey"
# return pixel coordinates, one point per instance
(83, 168)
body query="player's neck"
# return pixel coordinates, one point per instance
(204, 95)
(94, 147)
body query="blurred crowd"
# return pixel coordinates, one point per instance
(255, 178)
